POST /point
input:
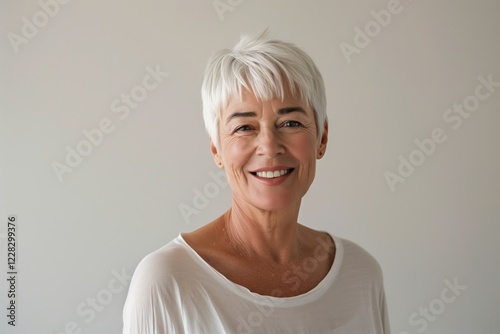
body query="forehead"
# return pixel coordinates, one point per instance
(250, 102)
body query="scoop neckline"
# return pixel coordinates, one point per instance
(307, 297)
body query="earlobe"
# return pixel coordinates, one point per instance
(323, 142)
(215, 154)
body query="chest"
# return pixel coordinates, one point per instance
(292, 279)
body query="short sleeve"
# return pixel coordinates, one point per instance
(149, 307)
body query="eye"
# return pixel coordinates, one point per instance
(291, 124)
(242, 128)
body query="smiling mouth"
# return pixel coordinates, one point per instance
(272, 174)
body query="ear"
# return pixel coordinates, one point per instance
(215, 154)
(322, 144)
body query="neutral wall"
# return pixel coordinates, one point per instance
(82, 229)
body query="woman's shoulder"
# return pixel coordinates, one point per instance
(154, 288)
(356, 259)
(163, 264)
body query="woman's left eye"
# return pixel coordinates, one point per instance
(291, 124)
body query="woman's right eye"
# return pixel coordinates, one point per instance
(242, 128)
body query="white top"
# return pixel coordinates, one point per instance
(173, 290)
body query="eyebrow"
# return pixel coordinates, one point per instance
(288, 110)
(282, 111)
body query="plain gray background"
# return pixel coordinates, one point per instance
(77, 234)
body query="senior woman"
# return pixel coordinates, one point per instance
(255, 269)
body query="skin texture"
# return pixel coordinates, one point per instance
(258, 242)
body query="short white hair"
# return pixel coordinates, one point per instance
(264, 67)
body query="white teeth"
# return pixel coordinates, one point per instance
(270, 175)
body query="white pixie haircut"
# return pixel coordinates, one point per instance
(264, 67)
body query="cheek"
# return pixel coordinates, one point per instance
(305, 147)
(235, 154)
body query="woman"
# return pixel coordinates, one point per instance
(255, 269)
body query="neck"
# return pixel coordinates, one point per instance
(272, 236)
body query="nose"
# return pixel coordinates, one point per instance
(269, 143)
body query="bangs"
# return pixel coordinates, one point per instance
(264, 77)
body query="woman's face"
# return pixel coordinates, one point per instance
(269, 150)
